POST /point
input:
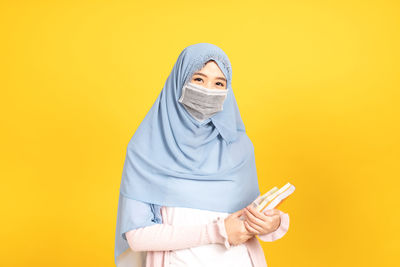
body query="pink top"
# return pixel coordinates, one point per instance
(158, 240)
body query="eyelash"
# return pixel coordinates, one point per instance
(202, 79)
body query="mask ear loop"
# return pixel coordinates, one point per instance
(183, 93)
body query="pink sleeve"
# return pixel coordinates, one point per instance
(164, 237)
(278, 233)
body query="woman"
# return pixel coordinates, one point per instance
(190, 173)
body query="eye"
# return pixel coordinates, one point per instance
(198, 79)
(221, 84)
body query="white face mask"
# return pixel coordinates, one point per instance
(202, 102)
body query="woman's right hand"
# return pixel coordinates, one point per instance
(235, 229)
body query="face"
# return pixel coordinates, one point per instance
(210, 76)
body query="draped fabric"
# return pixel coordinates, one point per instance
(174, 160)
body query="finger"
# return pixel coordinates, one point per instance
(275, 223)
(277, 219)
(256, 227)
(250, 229)
(256, 213)
(251, 217)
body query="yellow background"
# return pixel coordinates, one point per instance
(317, 83)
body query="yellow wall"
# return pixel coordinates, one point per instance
(317, 83)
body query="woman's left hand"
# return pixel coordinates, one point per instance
(260, 223)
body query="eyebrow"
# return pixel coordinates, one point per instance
(202, 74)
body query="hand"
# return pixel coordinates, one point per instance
(235, 229)
(260, 223)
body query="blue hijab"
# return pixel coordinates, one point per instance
(175, 160)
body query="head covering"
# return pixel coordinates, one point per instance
(175, 160)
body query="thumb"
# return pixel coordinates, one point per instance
(272, 212)
(269, 212)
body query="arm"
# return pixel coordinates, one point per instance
(278, 233)
(163, 237)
